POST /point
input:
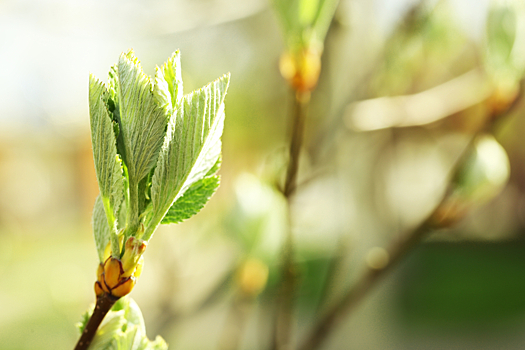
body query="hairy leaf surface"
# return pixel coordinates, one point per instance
(168, 85)
(100, 228)
(142, 121)
(191, 148)
(107, 163)
(193, 200)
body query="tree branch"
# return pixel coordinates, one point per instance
(102, 307)
(398, 250)
(284, 318)
(361, 288)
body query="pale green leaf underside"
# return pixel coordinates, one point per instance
(142, 121)
(100, 228)
(192, 201)
(123, 329)
(107, 163)
(191, 148)
(215, 168)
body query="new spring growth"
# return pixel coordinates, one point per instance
(301, 68)
(304, 24)
(156, 155)
(117, 278)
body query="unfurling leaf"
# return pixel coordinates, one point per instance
(100, 228)
(195, 197)
(152, 148)
(168, 84)
(107, 163)
(123, 329)
(142, 121)
(191, 148)
(482, 175)
(484, 172)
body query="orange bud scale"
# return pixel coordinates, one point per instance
(112, 279)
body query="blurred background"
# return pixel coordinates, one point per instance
(404, 85)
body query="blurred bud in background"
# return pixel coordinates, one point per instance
(252, 276)
(504, 52)
(482, 175)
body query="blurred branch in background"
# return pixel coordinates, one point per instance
(479, 174)
(422, 108)
(305, 24)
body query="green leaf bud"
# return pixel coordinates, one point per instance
(481, 176)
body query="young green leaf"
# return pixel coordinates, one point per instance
(193, 200)
(107, 163)
(100, 228)
(191, 148)
(305, 22)
(142, 121)
(109, 331)
(123, 329)
(168, 84)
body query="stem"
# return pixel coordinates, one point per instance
(302, 100)
(284, 319)
(370, 277)
(367, 280)
(236, 322)
(104, 304)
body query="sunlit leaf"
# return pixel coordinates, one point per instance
(192, 201)
(191, 148)
(142, 121)
(168, 84)
(100, 228)
(107, 163)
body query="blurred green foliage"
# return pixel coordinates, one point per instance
(305, 22)
(460, 286)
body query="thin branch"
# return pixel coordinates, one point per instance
(235, 323)
(399, 249)
(367, 280)
(104, 304)
(302, 100)
(284, 319)
(371, 276)
(421, 108)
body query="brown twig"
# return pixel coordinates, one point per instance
(284, 318)
(301, 102)
(102, 307)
